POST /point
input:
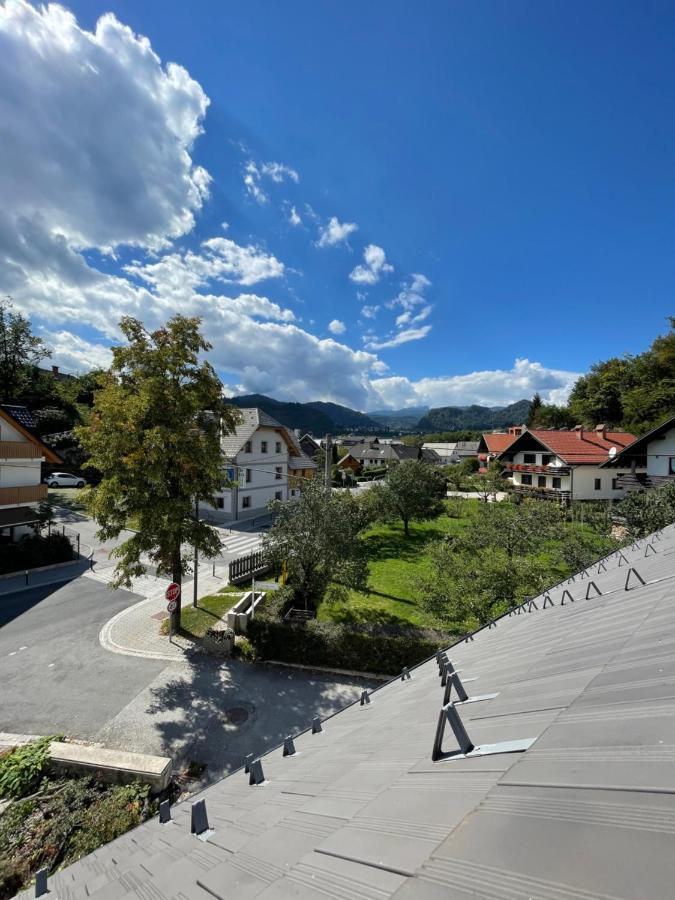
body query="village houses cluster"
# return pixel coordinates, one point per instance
(265, 461)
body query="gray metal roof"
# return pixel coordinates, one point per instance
(362, 811)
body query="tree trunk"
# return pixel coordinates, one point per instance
(177, 576)
(405, 527)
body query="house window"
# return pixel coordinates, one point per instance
(263, 446)
(249, 476)
(526, 479)
(246, 502)
(671, 465)
(545, 459)
(220, 503)
(598, 484)
(555, 482)
(529, 457)
(247, 447)
(541, 481)
(277, 447)
(615, 486)
(278, 495)
(278, 472)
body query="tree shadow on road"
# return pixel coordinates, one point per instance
(216, 714)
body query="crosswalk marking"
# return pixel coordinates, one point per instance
(241, 544)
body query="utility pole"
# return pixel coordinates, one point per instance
(329, 462)
(194, 594)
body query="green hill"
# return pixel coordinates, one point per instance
(481, 418)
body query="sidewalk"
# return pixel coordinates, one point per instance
(43, 577)
(135, 631)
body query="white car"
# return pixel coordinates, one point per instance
(63, 479)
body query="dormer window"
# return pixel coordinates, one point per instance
(263, 446)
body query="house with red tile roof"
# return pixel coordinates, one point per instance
(566, 465)
(492, 443)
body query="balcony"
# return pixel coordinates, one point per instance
(19, 450)
(542, 493)
(13, 496)
(537, 470)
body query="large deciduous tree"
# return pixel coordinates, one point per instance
(20, 349)
(648, 511)
(412, 491)
(317, 540)
(154, 435)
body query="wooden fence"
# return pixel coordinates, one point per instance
(244, 568)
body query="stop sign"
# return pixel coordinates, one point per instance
(172, 592)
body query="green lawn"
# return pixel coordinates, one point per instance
(395, 562)
(195, 621)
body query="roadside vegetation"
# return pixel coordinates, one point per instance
(52, 820)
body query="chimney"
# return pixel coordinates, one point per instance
(580, 431)
(601, 429)
(55, 371)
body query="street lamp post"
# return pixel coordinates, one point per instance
(194, 592)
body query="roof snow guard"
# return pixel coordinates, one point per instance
(573, 795)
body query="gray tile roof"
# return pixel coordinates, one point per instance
(362, 811)
(251, 419)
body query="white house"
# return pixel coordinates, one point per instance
(453, 452)
(566, 465)
(21, 456)
(264, 461)
(650, 459)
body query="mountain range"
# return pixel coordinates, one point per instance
(320, 418)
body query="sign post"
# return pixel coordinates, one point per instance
(172, 595)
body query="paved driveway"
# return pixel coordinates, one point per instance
(55, 676)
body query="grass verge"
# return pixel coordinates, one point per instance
(195, 621)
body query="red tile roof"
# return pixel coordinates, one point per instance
(497, 443)
(591, 447)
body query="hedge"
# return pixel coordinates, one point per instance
(365, 648)
(32, 552)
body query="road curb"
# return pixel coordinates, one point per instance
(106, 641)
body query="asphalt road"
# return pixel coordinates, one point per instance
(55, 676)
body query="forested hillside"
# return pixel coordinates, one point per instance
(481, 418)
(634, 393)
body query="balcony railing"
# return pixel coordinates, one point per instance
(19, 450)
(537, 470)
(33, 493)
(545, 493)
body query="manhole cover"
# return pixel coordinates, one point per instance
(237, 715)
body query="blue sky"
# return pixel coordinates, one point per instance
(510, 165)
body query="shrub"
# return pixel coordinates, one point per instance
(35, 551)
(366, 648)
(22, 768)
(243, 648)
(120, 809)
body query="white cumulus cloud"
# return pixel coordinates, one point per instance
(375, 265)
(335, 232)
(97, 133)
(337, 327)
(490, 387)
